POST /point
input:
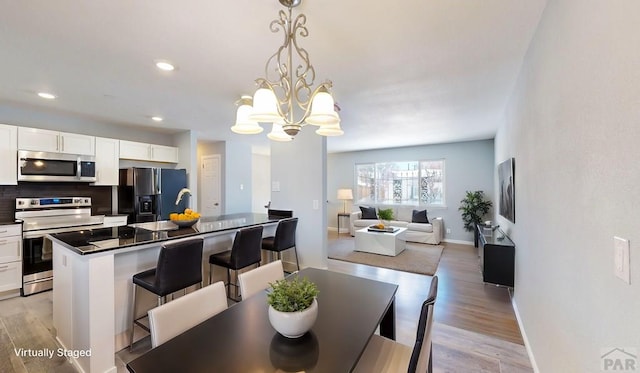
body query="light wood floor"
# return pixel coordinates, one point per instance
(475, 328)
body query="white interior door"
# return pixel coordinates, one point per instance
(210, 186)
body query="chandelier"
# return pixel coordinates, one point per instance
(286, 91)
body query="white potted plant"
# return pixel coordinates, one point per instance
(293, 307)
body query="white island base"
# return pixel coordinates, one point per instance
(92, 296)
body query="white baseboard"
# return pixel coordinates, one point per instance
(335, 229)
(524, 336)
(462, 242)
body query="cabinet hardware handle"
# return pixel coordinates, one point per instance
(2, 242)
(58, 143)
(4, 231)
(3, 268)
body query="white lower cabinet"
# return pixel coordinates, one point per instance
(10, 276)
(10, 257)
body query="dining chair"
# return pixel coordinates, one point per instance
(174, 318)
(259, 279)
(386, 356)
(284, 239)
(179, 267)
(244, 252)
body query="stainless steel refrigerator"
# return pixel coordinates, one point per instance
(149, 194)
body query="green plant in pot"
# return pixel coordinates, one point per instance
(293, 307)
(474, 207)
(386, 215)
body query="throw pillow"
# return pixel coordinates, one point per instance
(368, 212)
(419, 216)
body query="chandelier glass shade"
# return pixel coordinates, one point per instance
(285, 97)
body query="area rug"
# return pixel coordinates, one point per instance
(416, 258)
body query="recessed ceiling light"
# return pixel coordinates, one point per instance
(156, 119)
(46, 95)
(165, 66)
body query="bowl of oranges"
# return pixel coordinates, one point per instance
(184, 219)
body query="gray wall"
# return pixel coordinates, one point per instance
(237, 177)
(468, 166)
(572, 127)
(40, 118)
(300, 167)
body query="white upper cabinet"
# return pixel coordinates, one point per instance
(107, 161)
(161, 153)
(8, 155)
(148, 152)
(73, 143)
(40, 140)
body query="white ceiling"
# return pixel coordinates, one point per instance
(405, 73)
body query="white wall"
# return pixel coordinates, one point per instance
(572, 127)
(186, 142)
(301, 170)
(468, 166)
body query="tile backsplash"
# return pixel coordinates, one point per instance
(100, 195)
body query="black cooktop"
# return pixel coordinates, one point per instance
(103, 239)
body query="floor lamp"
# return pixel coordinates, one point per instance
(345, 195)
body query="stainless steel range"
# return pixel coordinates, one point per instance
(42, 216)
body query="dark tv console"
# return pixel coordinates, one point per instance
(497, 256)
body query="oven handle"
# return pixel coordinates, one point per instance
(78, 166)
(40, 280)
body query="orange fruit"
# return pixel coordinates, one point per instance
(187, 211)
(173, 216)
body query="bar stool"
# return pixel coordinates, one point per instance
(244, 252)
(284, 239)
(179, 266)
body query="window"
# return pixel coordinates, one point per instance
(401, 183)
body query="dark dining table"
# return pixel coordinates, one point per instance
(241, 339)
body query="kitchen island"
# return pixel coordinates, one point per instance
(92, 284)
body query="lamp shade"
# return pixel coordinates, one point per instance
(243, 125)
(265, 106)
(322, 110)
(278, 134)
(345, 194)
(330, 130)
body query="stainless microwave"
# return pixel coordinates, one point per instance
(43, 166)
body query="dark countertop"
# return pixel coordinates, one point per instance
(9, 222)
(105, 239)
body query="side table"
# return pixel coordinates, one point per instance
(342, 215)
(497, 257)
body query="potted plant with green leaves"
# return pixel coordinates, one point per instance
(385, 215)
(293, 307)
(474, 207)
